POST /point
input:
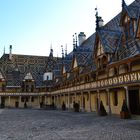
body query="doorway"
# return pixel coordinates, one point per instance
(16, 104)
(2, 102)
(134, 101)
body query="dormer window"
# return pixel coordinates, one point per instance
(47, 76)
(28, 83)
(104, 61)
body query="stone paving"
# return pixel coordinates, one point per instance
(25, 124)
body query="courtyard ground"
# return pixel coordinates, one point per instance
(30, 124)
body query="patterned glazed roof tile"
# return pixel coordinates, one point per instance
(110, 39)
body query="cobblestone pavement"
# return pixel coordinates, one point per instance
(22, 124)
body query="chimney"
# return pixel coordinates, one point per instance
(10, 53)
(81, 37)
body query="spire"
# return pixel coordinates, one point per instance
(66, 51)
(62, 52)
(76, 40)
(51, 51)
(73, 43)
(123, 3)
(99, 20)
(96, 15)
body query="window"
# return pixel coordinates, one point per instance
(115, 98)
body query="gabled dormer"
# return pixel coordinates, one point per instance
(128, 21)
(74, 65)
(101, 58)
(100, 50)
(28, 83)
(1, 77)
(63, 70)
(2, 82)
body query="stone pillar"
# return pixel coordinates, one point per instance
(9, 102)
(30, 101)
(127, 96)
(57, 101)
(82, 107)
(19, 100)
(54, 100)
(75, 98)
(65, 98)
(45, 100)
(38, 101)
(98, 94)
(89, 94)
(109, 105)
(68, 101)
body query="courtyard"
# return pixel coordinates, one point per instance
(31, 124)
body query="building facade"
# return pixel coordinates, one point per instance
(24, 79)
(104, 67)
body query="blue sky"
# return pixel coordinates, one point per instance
(31, 26)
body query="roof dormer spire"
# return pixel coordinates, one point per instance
(51, 51)
(73, 43)
(62, 52)
(66, 51)
(123, 3)
(99, 20)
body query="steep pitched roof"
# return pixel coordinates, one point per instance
(16, 69)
